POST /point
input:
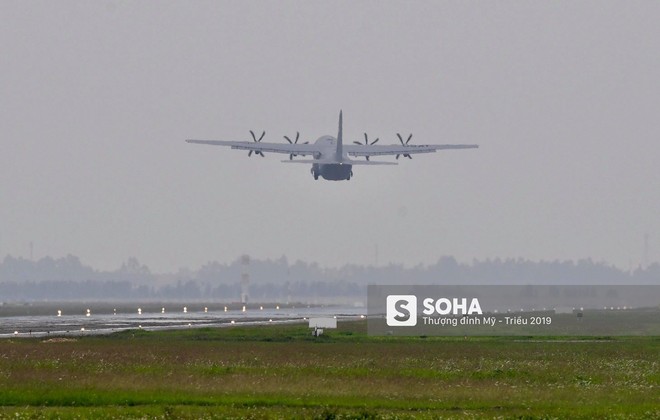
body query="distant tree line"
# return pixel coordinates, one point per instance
(278, 280)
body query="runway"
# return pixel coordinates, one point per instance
(173, 318)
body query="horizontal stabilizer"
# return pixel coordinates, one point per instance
(309, 161)
(345, 162)
(370, 162)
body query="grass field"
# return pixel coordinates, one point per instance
(283, 372)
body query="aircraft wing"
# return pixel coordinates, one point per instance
(300, 149)
(399, 149)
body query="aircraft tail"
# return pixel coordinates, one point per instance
(340, 145)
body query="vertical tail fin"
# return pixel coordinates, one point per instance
(340, 151)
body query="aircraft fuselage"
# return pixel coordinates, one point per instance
(330, 171)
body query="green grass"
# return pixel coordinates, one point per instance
(281, 372)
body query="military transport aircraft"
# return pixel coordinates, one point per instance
(330, 157)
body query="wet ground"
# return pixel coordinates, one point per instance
(43, 320)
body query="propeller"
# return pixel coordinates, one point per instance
(366, 142)
(257, 152)
(405, 144)
(294, 142)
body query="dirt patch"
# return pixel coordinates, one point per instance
(59, 340)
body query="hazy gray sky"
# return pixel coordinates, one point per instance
(96, 99)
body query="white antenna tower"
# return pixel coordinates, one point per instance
(245, 278)
(288, 284)
(645, 259)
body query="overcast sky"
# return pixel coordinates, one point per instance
(96, 99)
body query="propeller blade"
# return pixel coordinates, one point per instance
(254, 137)
(404, 143)
(296, 141)
(366, 142)
(291, 155)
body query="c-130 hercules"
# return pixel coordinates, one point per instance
(330, 157)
